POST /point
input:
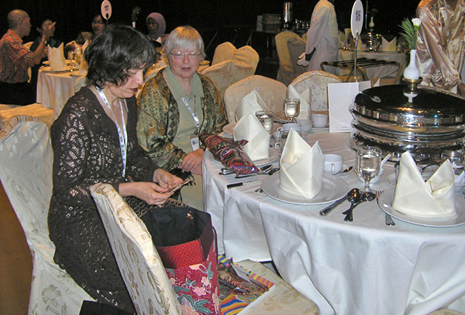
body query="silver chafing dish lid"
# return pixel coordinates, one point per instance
(429, 107)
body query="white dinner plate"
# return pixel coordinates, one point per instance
(333, 189)
(391, 180)
(385, 203)
(273, 156)
(229, 128)
(49, 69)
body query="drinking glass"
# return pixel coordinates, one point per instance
(78, 55)
(72, 58)
(266, 118)
(292, 108)
(368, 164)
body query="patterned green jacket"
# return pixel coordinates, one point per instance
(159, 119)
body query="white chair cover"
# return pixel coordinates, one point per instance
(227, 72)
(26, 175)
(245, 54)
(286, 70)
(80, 82)
(317, 81)
(138, 260)
(271, 91)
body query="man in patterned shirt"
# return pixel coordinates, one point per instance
(15, 59)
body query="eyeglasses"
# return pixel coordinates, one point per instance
(190, 55)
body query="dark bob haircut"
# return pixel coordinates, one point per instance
(116, 50)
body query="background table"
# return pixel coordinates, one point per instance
(55, 88)
(380, 72)
(364, 267)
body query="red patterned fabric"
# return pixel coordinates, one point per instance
(197, 287)
(230, 153)
(187, 254)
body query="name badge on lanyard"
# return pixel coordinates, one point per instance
(195, 144)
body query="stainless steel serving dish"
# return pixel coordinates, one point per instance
(425, 122)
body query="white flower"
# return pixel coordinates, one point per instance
(416, 22)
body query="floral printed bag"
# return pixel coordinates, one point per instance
(186, 242)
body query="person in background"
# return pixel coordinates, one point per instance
(440, 48)
(15, 59)
(94, 141)
(156, 27)
(98, 25)
(322, 37)
(54, 43)
(175, 106)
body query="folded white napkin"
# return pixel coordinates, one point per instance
(433, 199)
(304, 100)
(250, 128)
(251, 103)
(56, 57)
(83, 67)
(301, 167)
(460, 179)
(389, 46)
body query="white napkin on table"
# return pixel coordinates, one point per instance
(433, 199)
(250, 128)
(304, 100)
(56, 57)
(301, 167)
(389, 46)
(251, 103)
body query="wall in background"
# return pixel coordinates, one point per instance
(231, 17)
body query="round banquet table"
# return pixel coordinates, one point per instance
(54, 88)
(363, 267)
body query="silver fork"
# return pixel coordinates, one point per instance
(388, 218)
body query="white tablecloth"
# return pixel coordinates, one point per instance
(364, 267)
(54, 89)
(377, 72)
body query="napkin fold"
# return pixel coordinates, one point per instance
(304, 100)
(433, 199)
(250, 128)
(56, 57)
(389, 46)
(301, 167)
(251, 103)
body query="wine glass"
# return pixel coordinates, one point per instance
(266, 118)
(368, 164)
(292, 108)
(72, 58)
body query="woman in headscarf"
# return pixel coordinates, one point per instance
(156, 27)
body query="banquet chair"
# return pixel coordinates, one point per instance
(80, 82)
(227, 72)
(36, 110)
(271, 91)
(26, 175)
(286, 69)
(296, 47)
(138, 260)
(144, 273)
(227, 51)
(317, 81)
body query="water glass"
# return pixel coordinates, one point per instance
(72, 58)
(266, 118)
(292, 108)
(368, 164)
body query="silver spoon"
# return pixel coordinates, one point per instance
(366, 196)
(375, 99)
(330, 208)
(354, 197)
(346, 170)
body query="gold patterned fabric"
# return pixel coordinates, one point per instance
(159, 119)
(440, 48)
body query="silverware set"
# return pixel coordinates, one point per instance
(356, 197)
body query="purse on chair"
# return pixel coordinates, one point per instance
(185, 240)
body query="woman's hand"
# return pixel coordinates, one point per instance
(192, 162)
(165, 179)
(151, 193)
